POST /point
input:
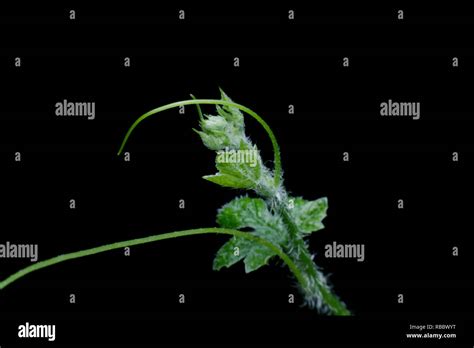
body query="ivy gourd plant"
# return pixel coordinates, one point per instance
(277, 224)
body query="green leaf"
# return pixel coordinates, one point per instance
(238, 168)
(246, 212)
(224, 130)
(230, 113)
(210, 141)
(237, 160)
(257, 257)
(228, 180)
(218, 133)
(308, 215)
(242, 212)
(231, 252)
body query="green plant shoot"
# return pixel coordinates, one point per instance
(277, 224)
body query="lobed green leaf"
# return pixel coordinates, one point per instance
(308, 215)
(246, 212)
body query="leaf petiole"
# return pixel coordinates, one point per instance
(128, 243)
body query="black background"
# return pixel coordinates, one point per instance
(134, 299)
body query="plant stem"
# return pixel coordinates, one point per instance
(119, 245)
(276, 148)
(317, 293)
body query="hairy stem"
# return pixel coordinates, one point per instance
(315, 289)
(119, 245)
(276, 148)
(312, 282)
